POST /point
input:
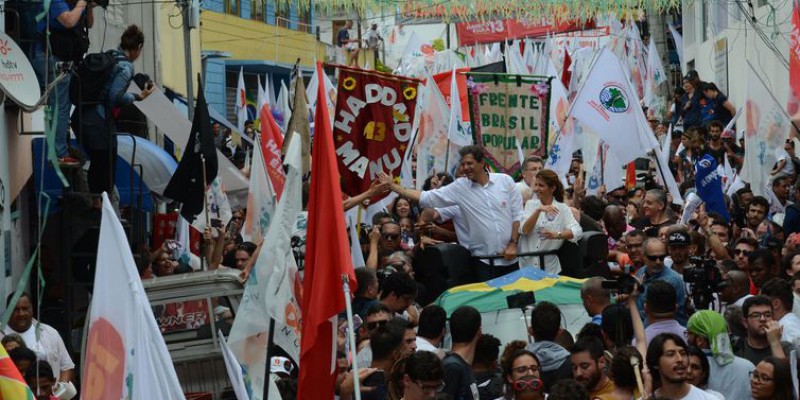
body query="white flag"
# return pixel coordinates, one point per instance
(235, 371)
(455, 130)
(431, 140)
(182, 238)
(610, 106)
(560, 158)
(655, 74)
(241, 102)
(270, 289)
(767, 129)
(260, 199)
(678, 43)
(218, 207)
(663, 170)
(269, 86)
(126, 356)
(283, 107)
(263, 98)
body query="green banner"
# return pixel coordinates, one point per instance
(509, 114)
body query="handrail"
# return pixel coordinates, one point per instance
(540, 254)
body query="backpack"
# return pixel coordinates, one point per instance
(91, 78)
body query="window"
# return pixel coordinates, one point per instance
(257, 12)
(304, 17)
(704, 20)
(282, 9)
(233, 7)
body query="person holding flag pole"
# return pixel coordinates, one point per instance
(327, 261)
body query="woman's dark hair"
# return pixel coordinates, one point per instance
(393, 209)
(444, 180)
(621, 368)
(781, 378)
(656, 349)
(513, 351)
(550, 178)
(786, 262)
(132, 38)
(617, 324)
(472, 150)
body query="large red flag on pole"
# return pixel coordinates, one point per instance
(327, 260)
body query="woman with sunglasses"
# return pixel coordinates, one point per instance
(771, 380)
(521, 373)
(547, 222)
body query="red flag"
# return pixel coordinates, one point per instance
(630, 176)
(327, 259)
(566, 75)
(271, 145)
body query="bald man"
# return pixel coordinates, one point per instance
(737, 288)
(595, 298)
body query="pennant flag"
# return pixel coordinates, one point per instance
(607, 103)
(299, 125)
(218, 207)
(263, 99)
(187, 185)
(271, 143)
(184, 253)
(709, 186)
(655, 75)
(271, 287)
(563, 146)
(12, 384)
(455, 130)
(566, 75)
(327, 262)
(261, 197)
(766, 131)
(678, 39)
(431, 141)
(235, 370)
(283, 108)
(595, 178)
(241, 102)
(126, 357)
(270, 89)
(664, 156)
(373, 125)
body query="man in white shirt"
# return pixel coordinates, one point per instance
(49, 347)
(668, 363)
(780, 294)
(490, 205)
(533, 165)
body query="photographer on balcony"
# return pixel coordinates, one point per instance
(96, 122)
(63, 36)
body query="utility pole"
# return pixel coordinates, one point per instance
(190, 21)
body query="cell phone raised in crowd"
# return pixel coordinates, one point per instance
(216, 223)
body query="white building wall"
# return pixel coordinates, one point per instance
(724, 20)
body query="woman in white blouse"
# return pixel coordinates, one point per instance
(547, 222)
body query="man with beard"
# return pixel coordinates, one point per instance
(708, 331)
(667, 360)
(763, 333)
(634, 247)
(422, 376)
(654, 254)
(741, 250)
(678, 243)
(588, 364)
(756, 212)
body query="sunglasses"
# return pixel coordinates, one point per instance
(656, 258)
(743, 252)
(533, 384)
(371, 326)
(390, 236)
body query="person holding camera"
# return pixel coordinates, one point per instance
(97, 126)
(654, 254)
(63, 37)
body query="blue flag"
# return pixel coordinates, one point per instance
(709, 186)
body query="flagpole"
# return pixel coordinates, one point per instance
(351, 335)
(661, 170)
(205, 207)
(270, 344)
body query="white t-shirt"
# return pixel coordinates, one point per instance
(48, 348)
(791, 328)
(696, 393)
(788, 167)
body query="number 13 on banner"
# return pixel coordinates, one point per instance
(375, 131)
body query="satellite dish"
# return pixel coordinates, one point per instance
(17, 78)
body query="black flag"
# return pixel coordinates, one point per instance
(187, 185)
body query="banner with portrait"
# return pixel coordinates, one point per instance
(372, 127)
(509, 116)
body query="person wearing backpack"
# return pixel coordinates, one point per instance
(95, 119)
(67, 26)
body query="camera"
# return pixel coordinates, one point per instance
(624, 284)
(704, 279)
